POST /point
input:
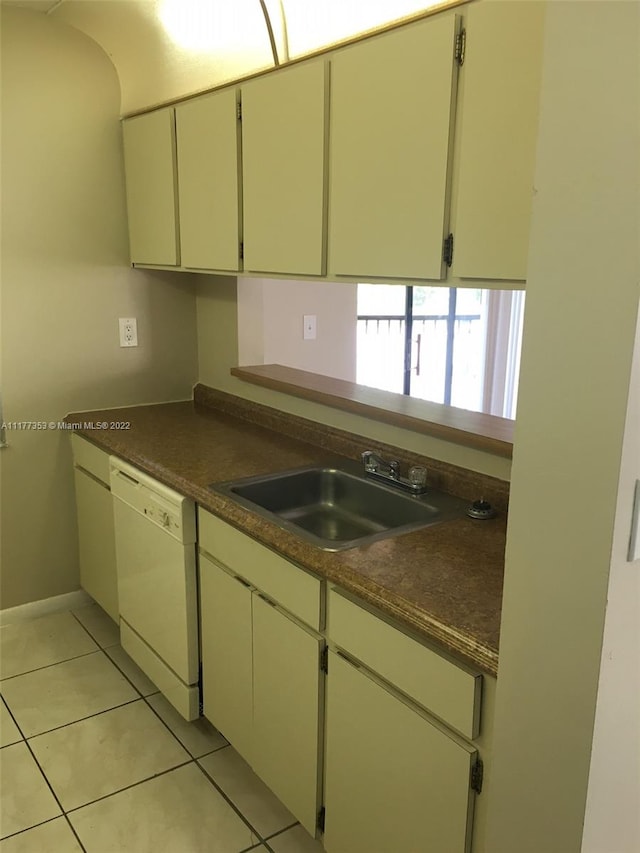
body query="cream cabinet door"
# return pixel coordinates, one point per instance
(225, 628)
(391, 110)
(97, 542)
(499, 95)
(207, 132)
(394, 782)
(286, 716)
(150, 173)
(283, 151)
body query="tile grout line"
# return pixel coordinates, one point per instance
(82, 719)
(277, 835)
(55, 796)
(29, 828)
(281, 831)
(82, 625)
(15, 722)
(73, 829)
(129, 787)
(168, 727)
(124, 674)
(49, 665)
(231, 803)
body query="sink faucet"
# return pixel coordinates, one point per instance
(374, 464)
(389, 472)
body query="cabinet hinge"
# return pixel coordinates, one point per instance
(321, 819)
(447, 250)
(239, 110)
(461, 44)
(324, 660)
(200, 695)
(241, 250)
(477, 773)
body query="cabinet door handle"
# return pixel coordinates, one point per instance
(242, 581)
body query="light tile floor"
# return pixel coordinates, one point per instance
(94, 759)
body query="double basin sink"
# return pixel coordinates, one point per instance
(335, 509)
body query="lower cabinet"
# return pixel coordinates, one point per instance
(96, 535)
(380, 746)
(402, 734)
(286, 709)
(395, 781)
(262, 686)
(227, 668)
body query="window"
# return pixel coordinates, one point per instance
(456, 346)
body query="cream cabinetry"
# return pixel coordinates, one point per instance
(96, 535)
(359, 164)
(497, 130)
(398, 774)
(284, 127)
(261, 678)
(150, 173)
(392, 99)
(287, 697)
(226, 642)
(394, 780)
(207, 133)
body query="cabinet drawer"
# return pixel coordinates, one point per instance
(451, 692)
(287, 584)
(89, 457)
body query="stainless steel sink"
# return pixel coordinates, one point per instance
(335, 509)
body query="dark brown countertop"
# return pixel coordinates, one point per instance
(444, 582)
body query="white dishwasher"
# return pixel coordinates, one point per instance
(155, 531)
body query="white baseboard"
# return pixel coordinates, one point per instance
(33, 609)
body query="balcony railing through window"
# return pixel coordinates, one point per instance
(381, 356)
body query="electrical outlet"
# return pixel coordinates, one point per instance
(128, 331)
(309, 327)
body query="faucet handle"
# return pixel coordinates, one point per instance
(418, 476)
(369, 460)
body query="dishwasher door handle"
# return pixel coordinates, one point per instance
(118, 473)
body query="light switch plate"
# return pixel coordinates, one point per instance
(310, 327)
(634, 539)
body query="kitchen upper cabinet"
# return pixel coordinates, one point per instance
(150, 172)
(284, 128)
(391, 114)
(286, 709)
(207, 131)
(499, 95)
(394, 780)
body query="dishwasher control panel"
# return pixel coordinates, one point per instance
(158, 503)
(169, 518)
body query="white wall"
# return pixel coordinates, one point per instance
(65, 282)
(612, 821)
(579, 331)
(270, 320)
